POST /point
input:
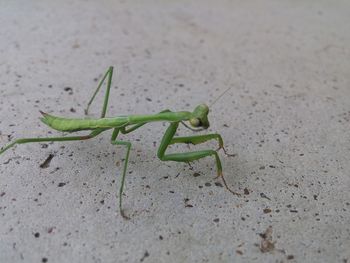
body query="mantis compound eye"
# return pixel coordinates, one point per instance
(195, 122)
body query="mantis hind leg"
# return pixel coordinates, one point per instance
(169, 139)
(122, 183)
(107, 75)
(52, 139)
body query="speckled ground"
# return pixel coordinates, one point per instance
(287, 118)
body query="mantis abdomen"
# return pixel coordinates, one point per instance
(71, 125)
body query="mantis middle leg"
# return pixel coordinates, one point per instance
(169, 139)
(114, 141)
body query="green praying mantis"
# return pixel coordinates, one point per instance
(198, 121)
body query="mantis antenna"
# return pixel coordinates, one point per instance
(222, 94)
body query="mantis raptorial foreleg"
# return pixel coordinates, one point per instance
(197, 139)
(108, 74)
(169, 139)
(53, 139)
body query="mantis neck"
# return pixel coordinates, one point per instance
(166, 116)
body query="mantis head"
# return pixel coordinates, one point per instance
(199, 117)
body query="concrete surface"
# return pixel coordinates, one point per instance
(286, 117)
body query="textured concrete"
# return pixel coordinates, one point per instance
(287, 118)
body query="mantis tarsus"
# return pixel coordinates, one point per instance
(198, 120)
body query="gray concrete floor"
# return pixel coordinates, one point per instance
(286, 117)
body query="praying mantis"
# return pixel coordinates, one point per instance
(197, 119)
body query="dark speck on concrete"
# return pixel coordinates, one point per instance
(61, 184)
(264, 196)
(47, 162)
(69, 90)
(186, 203)
(218, 184)
(267, 210)
(144, 256)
